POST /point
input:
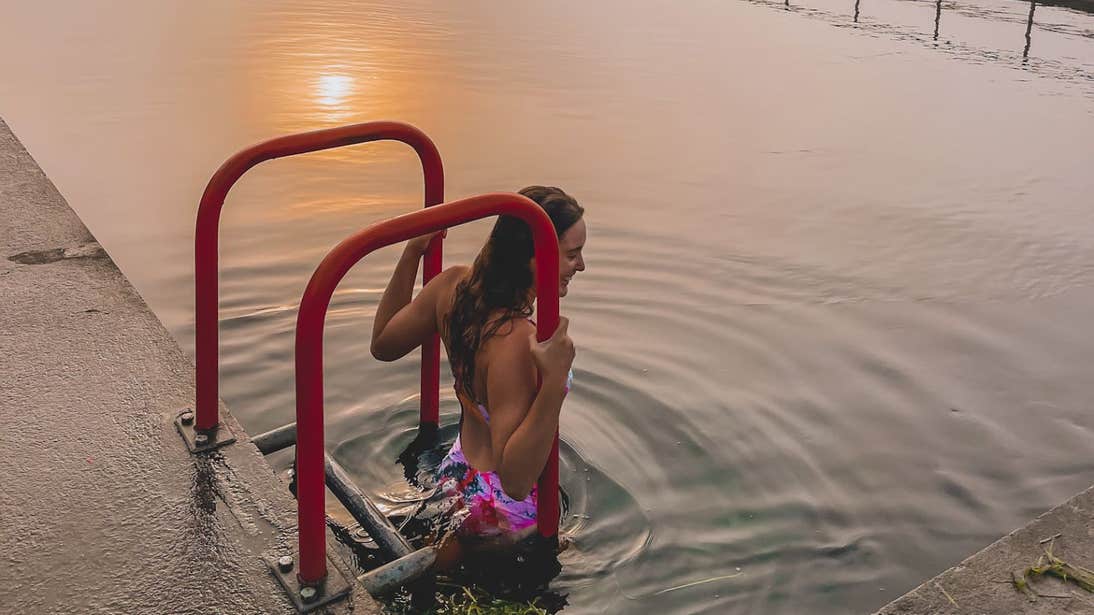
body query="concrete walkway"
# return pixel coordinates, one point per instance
(982, 584)
(103, 508)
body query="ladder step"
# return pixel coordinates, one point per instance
(276, 439)
(393, 575)
(390, 541)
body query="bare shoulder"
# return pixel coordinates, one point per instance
(443, 287)
(452, 275)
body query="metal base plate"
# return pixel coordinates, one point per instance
(333, 588)
(214, 439)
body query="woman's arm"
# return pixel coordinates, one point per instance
(523, 421)
(401, 325)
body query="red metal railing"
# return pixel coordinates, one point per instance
(206, 288)
(309, 349)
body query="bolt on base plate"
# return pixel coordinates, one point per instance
(202, 441)
(306, 598)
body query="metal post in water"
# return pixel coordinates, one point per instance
(937, 17)
(1029, 29)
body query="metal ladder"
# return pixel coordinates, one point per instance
(312, 583)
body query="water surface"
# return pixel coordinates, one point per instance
(832, 337)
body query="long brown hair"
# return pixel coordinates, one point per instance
(500, 279)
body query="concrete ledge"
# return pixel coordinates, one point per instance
(103, 508)
(981, 584)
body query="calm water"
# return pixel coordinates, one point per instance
(834, 334)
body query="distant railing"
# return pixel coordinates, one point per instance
(310, 323)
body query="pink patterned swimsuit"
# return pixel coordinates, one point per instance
(489, 511)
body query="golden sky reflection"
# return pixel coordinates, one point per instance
(311, 74)
(341, 203)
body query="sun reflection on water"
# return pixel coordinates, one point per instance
(333, 90)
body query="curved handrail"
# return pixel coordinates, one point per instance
(309, 349)
(206, 237)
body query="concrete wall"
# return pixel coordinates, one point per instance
(103, 508)
(982, 584)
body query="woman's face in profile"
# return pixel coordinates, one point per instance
(570, 258)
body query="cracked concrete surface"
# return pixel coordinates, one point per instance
(91, 249)
(103, 508)
(981, 584)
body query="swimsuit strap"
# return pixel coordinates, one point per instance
(486, 413)
(470, 403)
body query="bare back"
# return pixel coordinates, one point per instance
(475, 430)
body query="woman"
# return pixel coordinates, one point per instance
(482, 313)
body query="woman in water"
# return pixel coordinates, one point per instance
(483, 315)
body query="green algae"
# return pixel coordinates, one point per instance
(469, 601)
(1050, 565)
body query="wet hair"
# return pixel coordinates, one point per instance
(500, 279)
